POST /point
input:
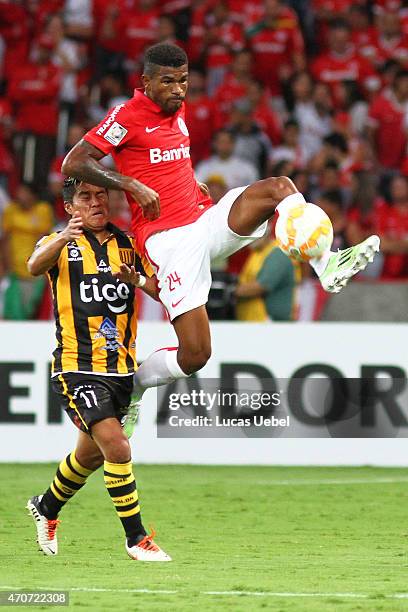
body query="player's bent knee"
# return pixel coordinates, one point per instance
(90, 462)
(111, 440)
(118, 451)
(277, 188)
(197, 360)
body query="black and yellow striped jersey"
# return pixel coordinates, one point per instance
(95, 314)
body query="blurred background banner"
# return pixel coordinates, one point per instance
(33, 428)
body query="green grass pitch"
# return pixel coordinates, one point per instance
(261, 538)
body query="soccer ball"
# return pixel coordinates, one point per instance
(304, 232)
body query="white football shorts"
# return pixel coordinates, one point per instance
(181, 257)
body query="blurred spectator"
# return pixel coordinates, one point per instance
(283, 168)
(2, 53)
(252, 144)
(363, 33)
(392, 226)
(352, 109)
(56, 178)
(34, 90)
(312, 109)
(265, 117)
(217, 187)
(235, 86)
(337, 149)
(109, 92)
(226, 164)
(333, 205)
(302, 181)
(367, 206)
(24, 222)
(15, 31)
(290, 149)
(166, 31)
(180, 11)
(199, 116)
(277, 45)
(326, 179)
(40, 12)
(388, 73)
(391, 42)
(136, 29)
(78, 18)
(246, 13)
(108, 38)
(119, 210)
(341, 62)
(221, 38)
(326, 11)
(70, 56)
(364, 217)
(267, 283)
(306, 20)
(387, 123)
(7, 165)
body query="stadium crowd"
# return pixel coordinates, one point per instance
(313, 89)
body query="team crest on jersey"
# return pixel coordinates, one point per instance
(115, 134)
(127, 256)
(182, 126)
(109, 331)
(74, 252)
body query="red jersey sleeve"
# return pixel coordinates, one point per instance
(113, 131)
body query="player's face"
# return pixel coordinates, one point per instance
(92, 203)
(167, 87)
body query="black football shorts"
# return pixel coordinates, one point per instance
(88, 398)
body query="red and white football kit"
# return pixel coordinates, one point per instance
(154, 148)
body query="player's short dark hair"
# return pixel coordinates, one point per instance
(69, 188)
(163, 54)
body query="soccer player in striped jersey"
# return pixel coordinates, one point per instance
(94, 362)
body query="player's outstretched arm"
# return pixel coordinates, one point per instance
(129, 275)
(46, 255)
(82, 162)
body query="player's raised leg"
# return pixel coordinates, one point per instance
(70, 477)
(259, 202)
(121, 485)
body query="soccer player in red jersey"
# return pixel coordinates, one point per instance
(174, 221)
